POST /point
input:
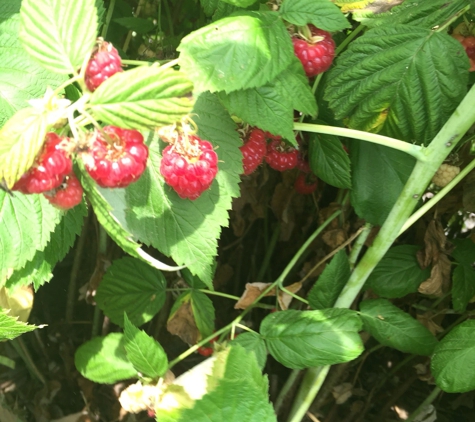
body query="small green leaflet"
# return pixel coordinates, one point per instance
(254, 343)
(21, 138)
(379, 174)
(145, 353)
(240, 3)
(104, 359)
(329, 161)
(239, 52)
(27, 223)
(175, 226)
(268, 106)
(421, 13)
(402, 81)
(464, 251)
(203, 311)
(330, 283)
(454, 359)
(143, 98)
(321, 13)
(398, 273)
(304, 339)
(10, 327)
(39, 269)
(59, 34)
(130, 285)
(463, 286)
(394, 328)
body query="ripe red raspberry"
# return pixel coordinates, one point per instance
(469, 45)
(104, 63)
(304, 184)
(253, 151)
(68, 195)
(205, 351)
(317, 53)
(49, 169)
(189, 166)
(280, 156)
(116, 157)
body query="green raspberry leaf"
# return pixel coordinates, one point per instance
(424, 13)
(130, 285)
(395, 328)
(240, 3)
(145, 353)
(329, 161)
(104, 359)
(454, 359)
(183, 229)
(322, 13)
(304, 339)
(59, 34)
(398, 273)
(10, 327)
(401, 81)
(376, 169)
(27, 223)
(143, 98)
(39, 269)
(463, 286)
(239, 52)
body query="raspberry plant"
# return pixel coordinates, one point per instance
(150, 152)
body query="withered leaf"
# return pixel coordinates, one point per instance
(254, 290)
(439, 281)
(182, 324)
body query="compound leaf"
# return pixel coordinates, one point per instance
(401, 80)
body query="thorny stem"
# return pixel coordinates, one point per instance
(434, 155)
(281, 278)
(411, 149)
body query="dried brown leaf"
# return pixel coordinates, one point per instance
(341, 393)
(426, 319)
(182, 324)
(335, 238)
(284, 298)
(254, 290)
(439, 281)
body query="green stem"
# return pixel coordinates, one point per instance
(440, 147)
(355, 252)
(169, 17)
(269, 253)
(7, 362)
(110, 11)
(289, 383)
(139, 62)
(453, 18)
(438, 197)
(411, 149)
(348, 39)
(212, 292)
(312, 382)
(430, 398)
(22, 350)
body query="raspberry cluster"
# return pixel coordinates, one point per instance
(316, 53)
(52, 168)
(104, 62)
(116, 157)
(468, 43)
(445, 174)
(189, 166)
(280, 156)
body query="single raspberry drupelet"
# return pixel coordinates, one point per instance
(189, 166)
(317, 53)
(49, 169)
(305, 184)
(116, 157)
(280, 156)
(253, 151)
(68, 195)
(104, 63)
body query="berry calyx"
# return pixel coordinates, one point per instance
(304, 184)
(189, 166)
(253, 151)
(280, 156)
(48, 171)
(116, 157)
(104, 62)
(67, 195)
(316, 53)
